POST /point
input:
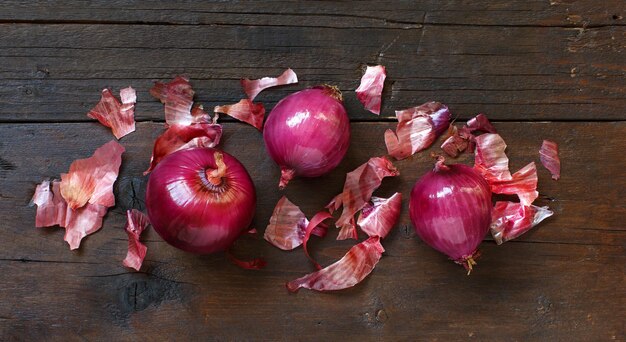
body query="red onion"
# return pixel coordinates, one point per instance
(450, 208)
(200, 200)
(308, 133)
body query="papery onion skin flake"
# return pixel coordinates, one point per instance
(119, 116)
(52, 210)
(417, 129)
(200, 200)
(350, 270)
(307, 133)
(357, 191)
(509, 220)
(179, 137)
(245, 111)
(91, 179)
(287, 227)
(370, 90)
(177, 96)
(252, 88)
(450, 208)
(380, 215)
(136, 223)
(549, 156)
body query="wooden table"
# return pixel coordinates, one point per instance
(553, 69)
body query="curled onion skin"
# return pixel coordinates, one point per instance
(450, 208)
(308, 133)
(200, 200)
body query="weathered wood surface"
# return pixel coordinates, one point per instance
(561, 61)
(475, 58)
(564, 279)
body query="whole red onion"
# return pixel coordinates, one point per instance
(200, 200)
(308, 133)
(450, 208)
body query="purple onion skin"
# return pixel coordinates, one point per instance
(308, 132)
(450, 208)
(192, 214)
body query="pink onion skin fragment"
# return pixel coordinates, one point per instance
(481, 123)
(51, 207)
(491, 162)
(549, 156)
(177, 96)
(313, 226)
(510, 219)
(52, 210)
(287, 227)
(370, 90)
(438, 112)
(246, 111)
(91, 179)
(357, 191)
(180, 137)
(335, 203)
(252, 88)
(136, 223)
(120, 117)
(523, 183)
(417, 129)
(380, 215)
(350, 270)
(82, 222)
(410, 137)
(490, 159)
(460, 140)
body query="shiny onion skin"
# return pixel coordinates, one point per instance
(308, 133)
(450, 208)
(200, 200)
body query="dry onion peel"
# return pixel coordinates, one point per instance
(316, 221)
(53, 210)
(136, 223)
(177, 96)
(370, 90)
(380, 215)
(357, 191)
(491, 161)
(549, 156)
(462, 139)
(119, 116)
(253, 87)
(180, 137)
(350, 270)
(510, 219)
(91, 179)
(246, 111)
(287, 226)
(417, 129)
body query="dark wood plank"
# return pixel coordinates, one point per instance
(345, 14)
(563, 280)
(510, 73)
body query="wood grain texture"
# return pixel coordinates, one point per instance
(341, 14)
(523, 72)
(565, 278)
(518, 61)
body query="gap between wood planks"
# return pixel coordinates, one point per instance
(413, 25)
